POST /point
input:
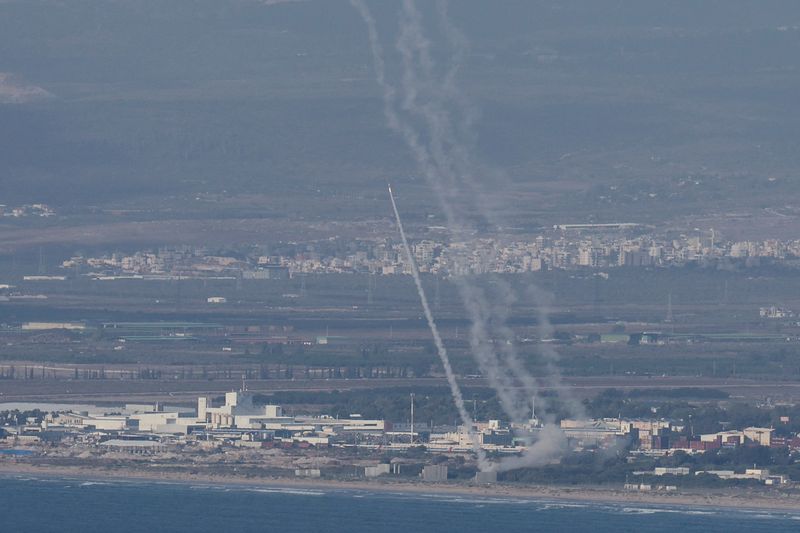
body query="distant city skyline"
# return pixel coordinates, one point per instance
(384, 256)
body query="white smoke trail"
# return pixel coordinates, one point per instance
(439, 104)
(451, 162)
(447, 160)
(542, 301)
(393, 119)
(488, 365)
(458, 399)
(421, 114)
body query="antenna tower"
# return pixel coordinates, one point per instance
(412, 418)
(669, 308)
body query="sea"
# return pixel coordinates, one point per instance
(38, 504)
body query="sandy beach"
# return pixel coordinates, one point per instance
(772, 500)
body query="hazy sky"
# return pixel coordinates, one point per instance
(116, 100)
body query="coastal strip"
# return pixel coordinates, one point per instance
(739, 499)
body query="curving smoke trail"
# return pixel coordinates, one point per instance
(434, 119)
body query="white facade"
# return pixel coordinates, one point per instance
(101, 422)
(762, 436)
(165, 422)
(238, 411)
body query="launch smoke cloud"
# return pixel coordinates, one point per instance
(432, 116)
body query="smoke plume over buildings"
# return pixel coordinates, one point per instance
(426, 109)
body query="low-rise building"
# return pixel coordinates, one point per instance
(85, 420)
(434, 473)
(675, 471)
(172, 422)
(377, 470)
(760, 436)
(144, 447)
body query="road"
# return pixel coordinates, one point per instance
(185, 391)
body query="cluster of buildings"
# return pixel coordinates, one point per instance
(238, 422)
(238, 419)
(658, 438)
(567, 247)
(662, 437)
(775, 312)
(27, 210)
(759, 474)
(175, 263)
(570, 250)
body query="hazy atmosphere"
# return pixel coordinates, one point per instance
(516, 254)
(152, 103)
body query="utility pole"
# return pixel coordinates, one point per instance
(412, 418)
(669, 308)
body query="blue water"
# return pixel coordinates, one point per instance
(66, 505)
(10, 451)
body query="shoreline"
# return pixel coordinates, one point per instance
(741, 500)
